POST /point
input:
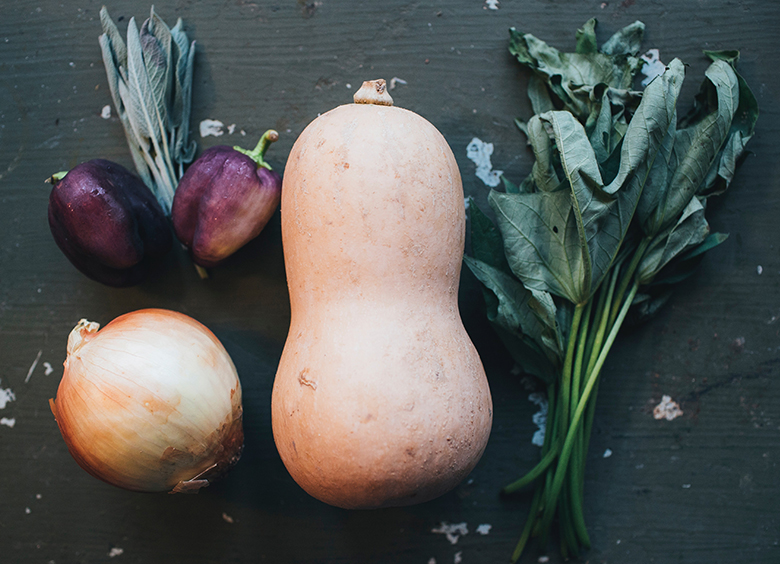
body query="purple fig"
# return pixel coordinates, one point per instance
(107, 222)
(224, 200)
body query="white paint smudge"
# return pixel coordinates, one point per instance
(8, 422)
(539, 418)
(653, 66)
(608, 453)
(116, 551)
(6, 396)
(453, 531)
(47, 368)
(105, 113)
(211, 127)
(228, 518)
(458, 557)
(686, 486)
(543, 559)
(34, 364)
(231, 128)
(491, 4)
(395, 81)
(479, 152)
(667, 409)
(760, 270)
(484, 529)
(432, 561)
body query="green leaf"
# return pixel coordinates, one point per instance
(699, 141)
(690, 231)
(544, 174)
(586, 38)
(564, 240)
(515, 311)
(741, 131)
(486, 244)
(150, 79)
(571, 76)
(539, 95)
(626, 42)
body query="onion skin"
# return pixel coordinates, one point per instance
(151, 403)
(108, 223)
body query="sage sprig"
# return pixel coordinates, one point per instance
(609, 219)
(150, 79)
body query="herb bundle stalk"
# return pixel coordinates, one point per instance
(610, 218)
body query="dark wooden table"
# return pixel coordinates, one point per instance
(703, 488)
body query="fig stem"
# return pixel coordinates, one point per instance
(258, 152)
(56, 177)
(202, 272)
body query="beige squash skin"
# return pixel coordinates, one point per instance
(380, 398)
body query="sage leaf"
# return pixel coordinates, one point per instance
(150, 80)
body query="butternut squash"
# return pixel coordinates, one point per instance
(380, 398)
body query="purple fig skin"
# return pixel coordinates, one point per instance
(223, 201)
(108, 223)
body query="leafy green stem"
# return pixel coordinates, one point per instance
(560, 471)
(535, 472)
(628, 277)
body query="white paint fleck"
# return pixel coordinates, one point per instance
(228, 518)
(491, 4)
(105, 113)
(453, 531)
(667, 409)
(539, 418)
(432, 561)
(8, 421)
(243, 133)
(348, 85)
(47, 368)
(231, 128)
(32, 367)
(211, 127)
(543, 559)
(458, 557)
(479, 152)
(395, 81)
(6, 396)
(686, 486)
(38, 496)
(27, 510)
(607, 453)
(484, 529)
(116, 551)
(652, 67)
(760, 269)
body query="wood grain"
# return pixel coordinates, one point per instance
(699, 489)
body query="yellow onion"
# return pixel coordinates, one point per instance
(152, 402)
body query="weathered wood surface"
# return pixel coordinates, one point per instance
(700, 489)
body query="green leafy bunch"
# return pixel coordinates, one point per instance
(610, 217)
(150, 79)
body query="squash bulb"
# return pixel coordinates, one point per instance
(380, 398)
